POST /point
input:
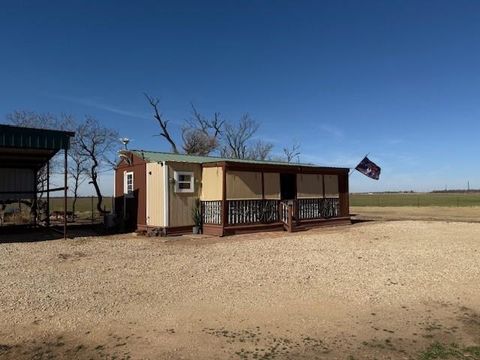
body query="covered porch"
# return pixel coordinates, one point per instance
(240, 197)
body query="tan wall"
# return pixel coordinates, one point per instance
(309, 186)
(331, 186)
(272, 185)
(155, 195)
(181, 204)
(244, 185)
(212, 183)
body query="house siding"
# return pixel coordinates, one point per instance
(309, 186)
(181, 204)
(155, 195)
(136, 206)
(271, 186)
(242, 185)
(331, 186)
(212, 184)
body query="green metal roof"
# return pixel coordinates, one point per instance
(30, 138)
(154, 156)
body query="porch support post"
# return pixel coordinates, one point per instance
(65, 174)
(290, 218)
(224, 198)
(263, 186)
(48, 194)
(344, 195)
(323, 186)
(35, 196)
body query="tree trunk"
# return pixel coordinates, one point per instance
(99, 196)
(97, 188)
(75, 197)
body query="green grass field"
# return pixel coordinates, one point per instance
(415, 199)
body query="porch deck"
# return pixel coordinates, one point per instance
(237, 216)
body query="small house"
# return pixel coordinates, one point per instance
(158, 192)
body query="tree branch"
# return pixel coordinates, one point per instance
(162, 122)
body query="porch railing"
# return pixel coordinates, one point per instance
(286, 215)
(242, 212)
(284, 211)
(252, 212)
(212, 212)
(309, 209)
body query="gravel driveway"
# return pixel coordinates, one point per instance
(370, 290)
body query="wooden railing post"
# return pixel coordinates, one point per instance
(290, 218)
(279, 204)
(224, 198)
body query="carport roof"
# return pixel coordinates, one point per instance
(31, 138)
(29, 147)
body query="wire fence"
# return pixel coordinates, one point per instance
(24, 211)
(85, 208)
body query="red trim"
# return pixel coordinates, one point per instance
(215, 230)
(244, 229)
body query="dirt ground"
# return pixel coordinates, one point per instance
(373, 290)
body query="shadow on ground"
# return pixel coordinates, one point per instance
(21, 234)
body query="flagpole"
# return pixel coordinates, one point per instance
(351, 172)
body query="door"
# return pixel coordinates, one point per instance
(288, 186)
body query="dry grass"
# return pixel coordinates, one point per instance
(437, 213)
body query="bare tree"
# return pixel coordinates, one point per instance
(260, 150)
(292, 152)
(237, 137)
(212, 127)
(195, 142)
(36, 120)
(161, 121)
(201, 135)
(77, 164)
(77, 170)
(97, 144)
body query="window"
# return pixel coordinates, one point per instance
(128, 183)
(184, 181)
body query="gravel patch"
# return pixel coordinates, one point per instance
(312, 281)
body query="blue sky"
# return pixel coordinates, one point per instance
(397, 79)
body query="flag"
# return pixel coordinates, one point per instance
(369, 168)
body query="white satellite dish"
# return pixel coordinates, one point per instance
(125, 142)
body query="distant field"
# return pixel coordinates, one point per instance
(392, 200)
(415, 199)
(84, 204)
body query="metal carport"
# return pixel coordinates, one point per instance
(23, 153)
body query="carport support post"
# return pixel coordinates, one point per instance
(65, 196)
(34, 200)
(48, 194)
